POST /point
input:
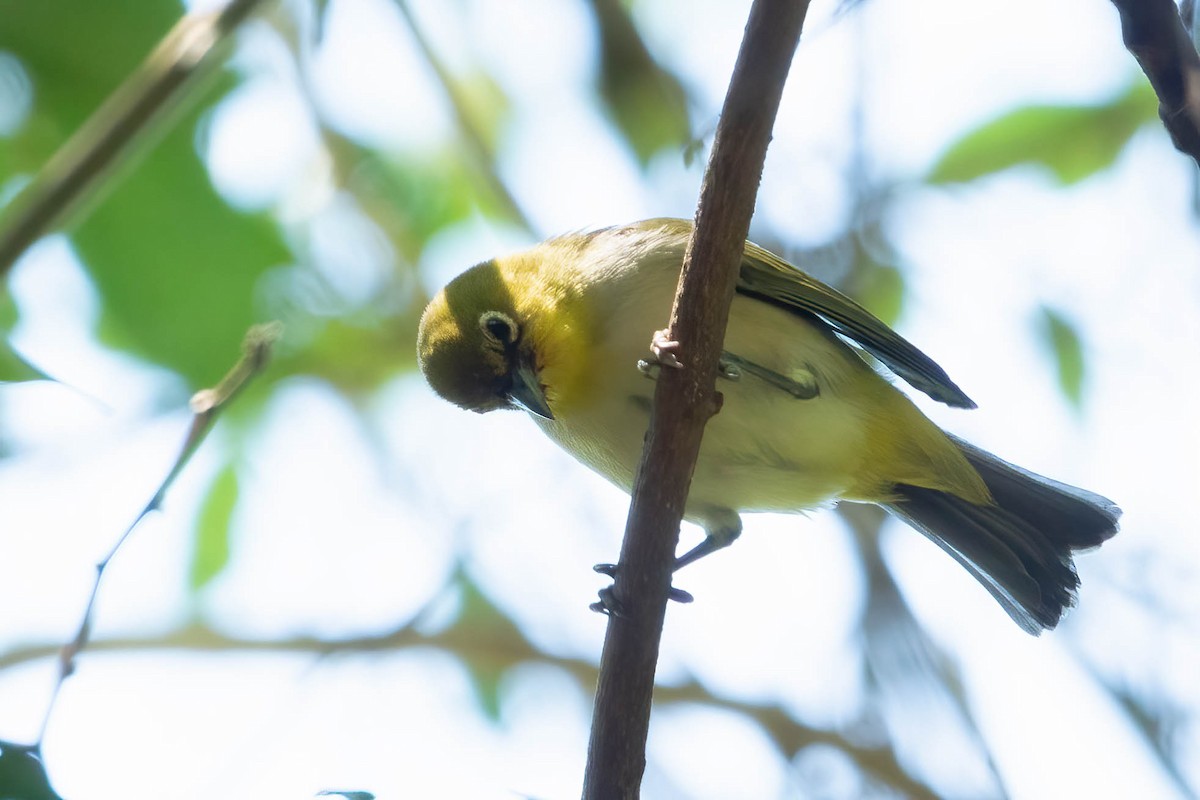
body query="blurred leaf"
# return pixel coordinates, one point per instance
(22, 774)
(875, 278)
(495, 634)
(1066, 347)
(359, 358)
(1073, 142)
(348, 795)
(880, 288)
(14, 368)
(210, 550)
(176, 268)
(76, 52)
(486, 683)
(647, 102)
(486, 104)
(479, 612)
(693, 150)
(410, 200)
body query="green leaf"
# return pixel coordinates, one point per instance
(648, 104)
(494, 637)
(210, 552)
(15, 369)
(176, 268)
(1072, 142)
(22, 774)
(351, 795)
(485, 681)
(410, 199)
(1066, 347)
(486, 103)
(880, 288)
(76, 52)
(357, 358)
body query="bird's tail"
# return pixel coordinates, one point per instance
(1019, 548)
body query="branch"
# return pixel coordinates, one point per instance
(76, 170)
(1153, 32)
(475, 643)
(685, 399)
(472, 136)
(901, 658)
(206, 405)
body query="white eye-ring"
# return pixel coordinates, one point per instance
(499, 327)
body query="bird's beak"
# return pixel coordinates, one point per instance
(526, 390)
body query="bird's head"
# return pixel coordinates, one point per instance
(475, 348)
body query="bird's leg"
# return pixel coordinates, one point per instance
(727, 367)
(801, 382)
(716, 537)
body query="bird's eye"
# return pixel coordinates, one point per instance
(498, 327)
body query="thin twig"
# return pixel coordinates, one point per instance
(685, 399)
(75, 171)
(1154, 32)
(1155, 726)
(473, 137)
(901, 657)
(206, 405)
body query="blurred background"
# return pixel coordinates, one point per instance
(356, 586)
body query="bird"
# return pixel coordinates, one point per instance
(808, 418)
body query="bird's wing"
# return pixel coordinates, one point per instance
(773, 280)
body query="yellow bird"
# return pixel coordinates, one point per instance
(562, 330)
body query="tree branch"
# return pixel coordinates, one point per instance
(685, 399)
(476, 643)
(206, 405)
(1153, 32)
(473, 138)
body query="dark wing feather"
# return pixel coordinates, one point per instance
(773, 280)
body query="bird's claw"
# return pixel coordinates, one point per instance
(664, 350)
(679, 595)
(610, 605)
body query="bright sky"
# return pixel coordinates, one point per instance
(328, 542)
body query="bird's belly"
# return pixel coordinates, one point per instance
(764, 451)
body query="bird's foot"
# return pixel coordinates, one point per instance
(663, 352)
(612, 605)
(664, 349)
(727, 367)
